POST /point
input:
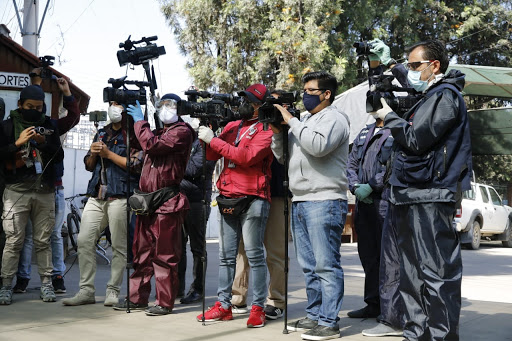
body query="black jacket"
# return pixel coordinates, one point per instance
(432, 159)
(191, 185)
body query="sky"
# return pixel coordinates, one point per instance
(91, 33)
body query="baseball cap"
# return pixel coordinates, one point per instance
(256, 93)
(32, 92)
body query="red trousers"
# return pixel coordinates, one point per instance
(157, 251)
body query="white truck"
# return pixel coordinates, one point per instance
(483, 215)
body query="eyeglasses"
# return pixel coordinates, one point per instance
(310, 90)
(170, 103)
(415, 65)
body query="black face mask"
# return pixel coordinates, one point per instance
(246, 110)
(31, 115)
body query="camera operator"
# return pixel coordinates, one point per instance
(106, 206)
(24, 267)
(318, 146)
(244, 202)
(157, 239)
(430, 169)
(28, 161)
(274, 241)
(192, 186)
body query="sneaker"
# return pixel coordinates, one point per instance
(81, 297)
(216, 313)
(192, 297)
(322, 333)
(5, 295)
(111, 298)
(21, 285)
(47, 293)
(256, 318)
(272, 312)
(365, 312)
(157, 310)
(383, 330)
(302, 324)
(58, 285)
(240, 309)
(133, 306)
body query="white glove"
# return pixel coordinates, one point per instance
(382, 112)
(205, 134)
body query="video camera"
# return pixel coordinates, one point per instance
(267, 113)
(46, 62)
(381, 86)
(218, 108)
(363, 47)
(138, 55)
(124, 95)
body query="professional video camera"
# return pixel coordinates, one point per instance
(381, 86)
(138, 55)
(45, 62)
(363, 47)
(124, 95)
(267, 113)
(218, 108)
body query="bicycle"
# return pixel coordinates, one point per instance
(73, 223)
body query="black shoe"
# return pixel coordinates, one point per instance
(58, 285)
(365, 312)
(192, 297)
(321, 333)
(133, 306)
(272, 312)
(302, 324)
(181, 294)
(21, 285)
(157, 310)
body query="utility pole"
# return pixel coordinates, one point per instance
(29, 29)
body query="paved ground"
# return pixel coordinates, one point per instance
(486, 313)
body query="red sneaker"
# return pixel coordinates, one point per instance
(256, 318)
(216, 313)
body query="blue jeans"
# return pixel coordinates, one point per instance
(251, 226)
(25, 264)
(317, 227)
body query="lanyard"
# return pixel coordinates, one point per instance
(238, 137)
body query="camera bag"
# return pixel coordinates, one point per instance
(147, 203)
(233, 207)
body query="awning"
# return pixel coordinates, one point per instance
(491, 131)
(486, 80)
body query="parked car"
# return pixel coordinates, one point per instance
(483, 215)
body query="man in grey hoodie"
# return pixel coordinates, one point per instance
(318, 149)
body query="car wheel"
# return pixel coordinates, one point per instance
(508, 236)
(475, 236)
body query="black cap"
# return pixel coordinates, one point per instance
(32, 92)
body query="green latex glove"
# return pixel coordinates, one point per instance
(367, 200)
(363, 191)
(380, 51)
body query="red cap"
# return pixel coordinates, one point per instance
(256, 93)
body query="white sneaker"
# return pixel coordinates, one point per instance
(383, 330)
(239, 309)
(112, 297)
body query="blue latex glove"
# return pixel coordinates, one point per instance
(380, 51)
(135, 112)
(363, 191)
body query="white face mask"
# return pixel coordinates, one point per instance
(167, 115)
(114, 113)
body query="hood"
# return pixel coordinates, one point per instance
(456, 78)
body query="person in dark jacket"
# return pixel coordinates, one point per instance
(106, 206)
(157, 240)
(194, 228)
(430, 169)
(28, 159)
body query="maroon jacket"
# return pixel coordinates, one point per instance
(166, 156)
(72, 118)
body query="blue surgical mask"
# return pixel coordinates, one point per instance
(310, 101)
(414, 78)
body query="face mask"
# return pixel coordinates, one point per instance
(31, 115)
(114, 113)
(167, 115)
(246, 111)
(414, 78)
(310, 101)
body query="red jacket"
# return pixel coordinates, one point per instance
(252, 158)
(166, 155)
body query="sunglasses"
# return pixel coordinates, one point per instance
(416, 65)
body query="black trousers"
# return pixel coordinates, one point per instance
(195, 230)
(391, 305)
(430, 271)
(368, 222)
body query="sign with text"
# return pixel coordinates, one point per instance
(14, 80)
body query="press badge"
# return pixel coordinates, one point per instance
(231, 164)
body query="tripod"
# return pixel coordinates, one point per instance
(286, 224)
